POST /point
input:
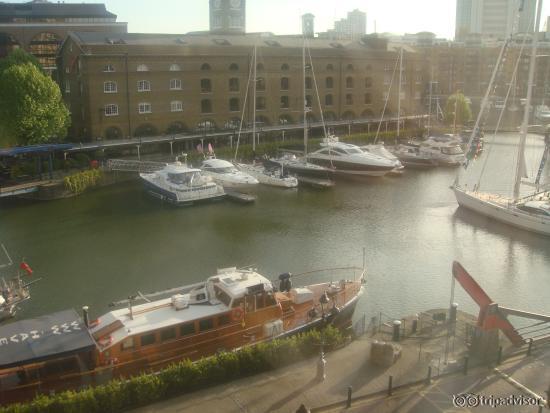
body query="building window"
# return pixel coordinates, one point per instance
(206, 324)
(67, 70)
(368, 99)
(206, 86)
(349, 82)
(349, 99)
(234, 104)
(309, 83)
(233, 84)
(260, 103)
(127, 344)
(168, 334)
(142, 68)
(260, 84)
(284, 67)
(206, 106)
(108, 68)
(144, 86)
(284, 102)
(176, 106)
(109, 87)
(309, 101)
(67, 86)
(368, 81)
(285, 83)
(205, 66)
(328, 100)
(330, 68)
(175, 84)
(187, 329)
(144, 107)
(174, 67)
(147, 339)
(234, 67)
(111, 110)
(329, 82)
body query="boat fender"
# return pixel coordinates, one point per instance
(237, 314)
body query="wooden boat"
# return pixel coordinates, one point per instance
(232, 309)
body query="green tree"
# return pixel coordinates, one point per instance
(31, 108)
(19, 57)
(458, 103)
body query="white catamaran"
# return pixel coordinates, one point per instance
(531, 212)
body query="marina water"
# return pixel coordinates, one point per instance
(112, 242)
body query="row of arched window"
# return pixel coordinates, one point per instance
(174, 67)
(206, 84)
(111, 109)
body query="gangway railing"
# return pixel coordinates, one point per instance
(134, 165)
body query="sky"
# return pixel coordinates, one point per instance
(284, 16)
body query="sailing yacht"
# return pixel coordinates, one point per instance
(275, 175)
(532, 212)
(300, 165)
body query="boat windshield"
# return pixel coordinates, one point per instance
(353, 150)
(452, 150)
(224, 170)
(181, 179)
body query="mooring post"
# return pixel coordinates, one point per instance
(390, 385)
(429, 378)
(530, 347)
(466, 359)
(348, 403)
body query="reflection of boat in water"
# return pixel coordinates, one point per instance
(13, 291)
(231, 309)
(181, 185)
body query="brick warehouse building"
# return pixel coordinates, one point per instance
(39, 26)
(129, 85)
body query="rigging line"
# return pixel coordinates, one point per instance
(244, 110)
(387, 99)
(487, 155)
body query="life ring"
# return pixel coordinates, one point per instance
(237, 314)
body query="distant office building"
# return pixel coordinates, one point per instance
(308, 29)
(351, 28)
(40, 27)
(493, 18)
(228, 16)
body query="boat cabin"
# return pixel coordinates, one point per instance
(218, 166)
(541, 208)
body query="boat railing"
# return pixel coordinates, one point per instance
(334, 273)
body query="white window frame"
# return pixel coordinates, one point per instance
(174, 67)
(144, 107)
(175, 84)
(67, 86)
(108, 87)
(142, 68)
(108, 68)
(176, 106)
(143, 86)
(111, 109)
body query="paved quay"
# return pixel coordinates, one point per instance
(284, 390)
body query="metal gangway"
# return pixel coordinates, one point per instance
(127, 165)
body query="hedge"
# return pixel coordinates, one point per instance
(183, 377)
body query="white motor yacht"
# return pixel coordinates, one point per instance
(348, 159)
(444, 151)
(410, 156)
(380, 150)
(269, 176)
(226, 174)
(179, 184)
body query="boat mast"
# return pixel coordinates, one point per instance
(520, 165)
(399, 92)
(305, 101)
(254, 107)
